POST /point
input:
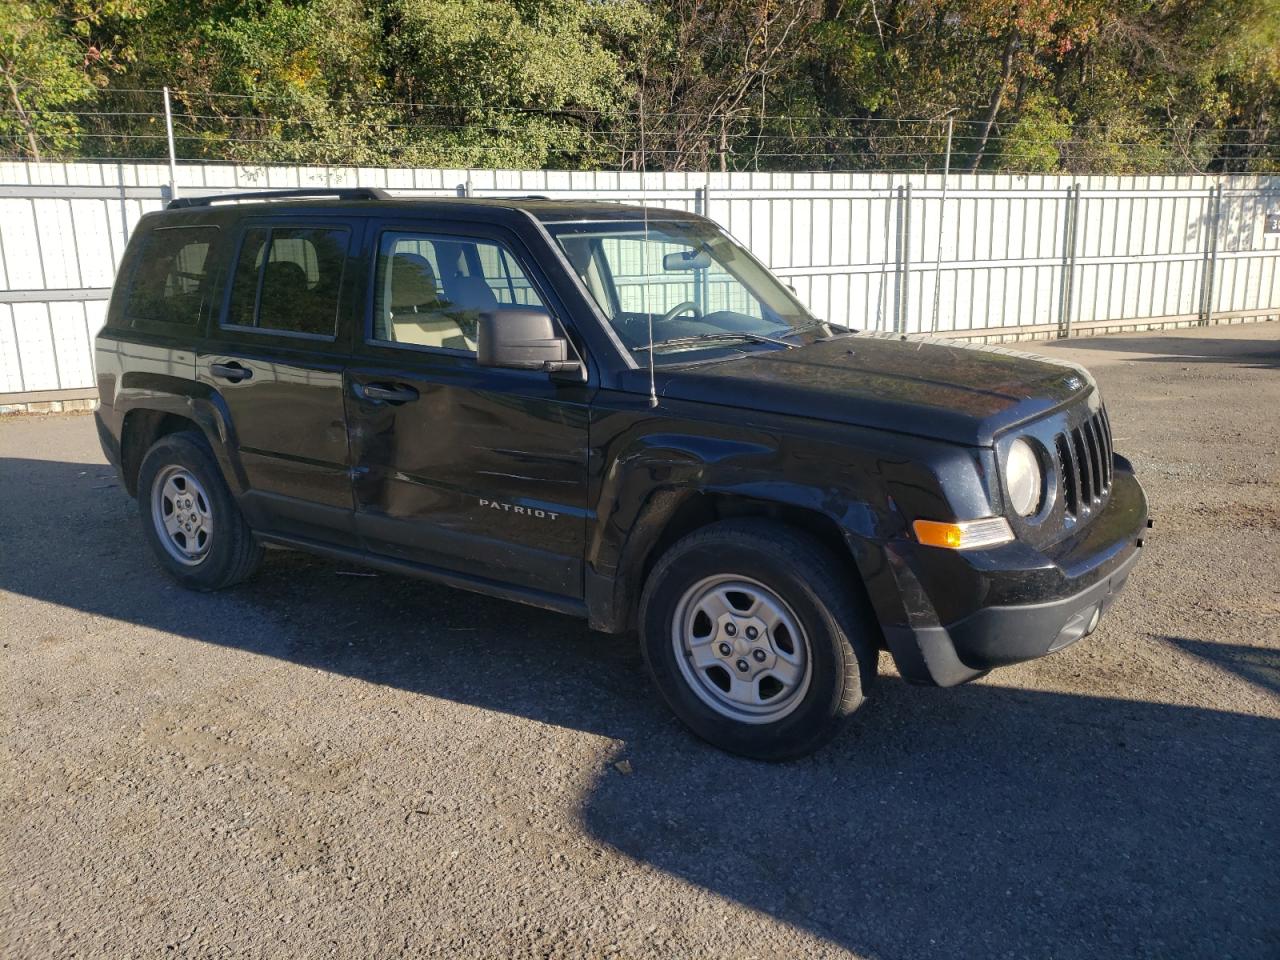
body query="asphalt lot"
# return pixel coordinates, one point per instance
(323, 763)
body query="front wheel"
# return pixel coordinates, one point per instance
(755, 640)
(189, 517)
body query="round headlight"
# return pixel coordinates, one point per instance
(1023, 478)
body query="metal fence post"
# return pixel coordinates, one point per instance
(173, 154)
(904, 257)
(702, 201)
(942, 223)
(702, 207)
(1209, 272)
(1069, 229)
(1204, 256)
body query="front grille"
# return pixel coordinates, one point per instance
(1084, 461)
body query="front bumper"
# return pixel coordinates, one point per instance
(1029, 604)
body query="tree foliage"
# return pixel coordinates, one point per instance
(1029, 85)
(52, 58)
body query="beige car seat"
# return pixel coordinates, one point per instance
(418, 313)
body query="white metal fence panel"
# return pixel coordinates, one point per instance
(977, 256)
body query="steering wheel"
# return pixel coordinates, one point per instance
(680, 308)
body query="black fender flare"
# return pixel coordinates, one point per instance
(190, 400)
(647, 487)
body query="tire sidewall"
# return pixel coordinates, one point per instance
(832, 672)
(181, 450)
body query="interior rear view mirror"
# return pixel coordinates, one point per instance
(690, 259)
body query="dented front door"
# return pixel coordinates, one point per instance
(469, 469)
(477, 471)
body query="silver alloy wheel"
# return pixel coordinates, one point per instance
(182, 515)
(741, 649)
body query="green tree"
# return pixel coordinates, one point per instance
(1110, 86)
(50, 62)
(514, 83)
(449, 83)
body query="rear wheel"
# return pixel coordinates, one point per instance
(189, 517)
(755, 640)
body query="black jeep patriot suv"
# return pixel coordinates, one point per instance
(616, 413)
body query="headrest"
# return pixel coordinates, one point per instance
(413, 282)
(284, 278)
(472, 293)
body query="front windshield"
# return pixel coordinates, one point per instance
(700, 289)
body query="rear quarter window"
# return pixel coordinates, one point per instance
(170, 285)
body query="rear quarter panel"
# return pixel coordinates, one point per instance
(151, 370)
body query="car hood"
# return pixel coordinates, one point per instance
(928, 387)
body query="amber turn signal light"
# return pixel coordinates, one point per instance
(963, 534)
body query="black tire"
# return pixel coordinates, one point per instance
(813, 585)
(233, 554)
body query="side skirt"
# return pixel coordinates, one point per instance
(489, 588)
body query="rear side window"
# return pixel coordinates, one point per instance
(289, 279)
(171, 281)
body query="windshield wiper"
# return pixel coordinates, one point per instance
(843, 331)
(713, 338)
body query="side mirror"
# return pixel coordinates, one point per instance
(522, 338)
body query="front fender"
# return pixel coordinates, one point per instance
(648, 477)
(657, 475)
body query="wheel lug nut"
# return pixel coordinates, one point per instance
(730, 629)
(725, 649)
(752, 633)
(758, 656)
(742, 666)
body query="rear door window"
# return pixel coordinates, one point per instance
(170, 283)
(288, 279)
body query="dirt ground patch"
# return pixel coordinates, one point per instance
(319, 764)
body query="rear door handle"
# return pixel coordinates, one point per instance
(230, 371)
(385, 393)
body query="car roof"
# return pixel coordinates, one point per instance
(489, 209)
(549, 209)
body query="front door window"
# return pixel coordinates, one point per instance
(430, 290)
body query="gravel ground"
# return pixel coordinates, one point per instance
(328, 763)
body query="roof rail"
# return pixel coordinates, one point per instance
(338, 193)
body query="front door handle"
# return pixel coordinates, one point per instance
(385, 393)
(230, 371)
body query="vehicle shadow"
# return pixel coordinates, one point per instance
(1252, 354)
(978, 821)
(1258, 666)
